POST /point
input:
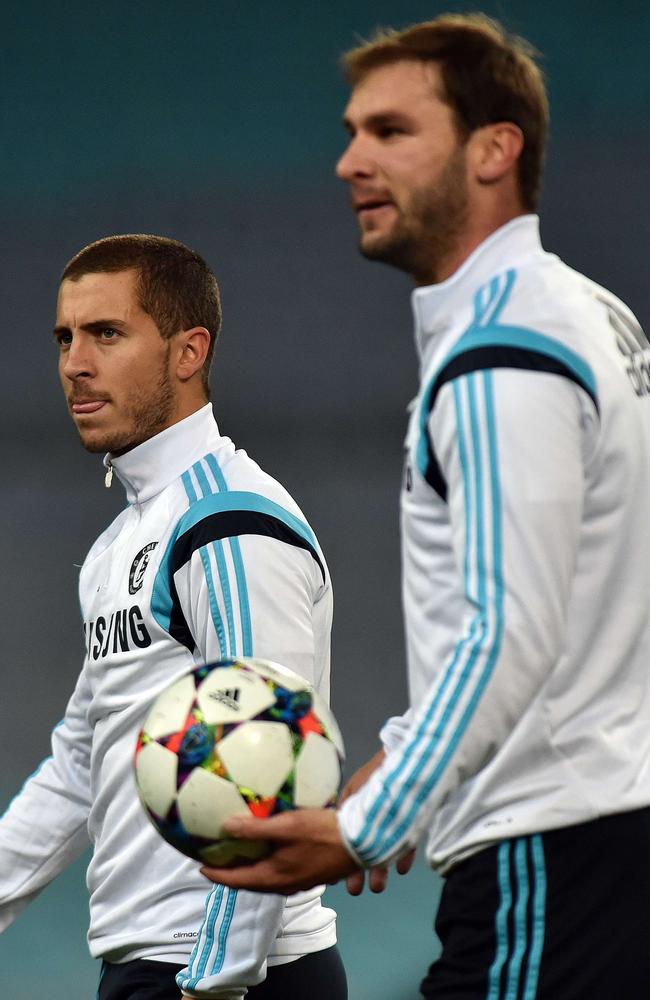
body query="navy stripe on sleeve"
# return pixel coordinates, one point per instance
(502, 356)
(209, 520)
(481, 359)
(229, 523)
(178, 627)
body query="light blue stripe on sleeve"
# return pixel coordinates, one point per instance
(484, 300)
(238, 562)
(196, 971)
(217, 620)
(467, 488)
(231, 899)
(360, 843)
(475, 433)
(189, 487)
(467, 674)
(214, 911)
(215, 469)
(506, 283)
(385, 840)
(469, 645)
(222, 568)
(242, 596)
(215, 613)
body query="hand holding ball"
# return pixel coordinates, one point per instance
(236, 736)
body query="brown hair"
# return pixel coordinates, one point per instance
(175, 285)
(488, 76)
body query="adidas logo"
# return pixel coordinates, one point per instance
(228, 698)
(633, 345)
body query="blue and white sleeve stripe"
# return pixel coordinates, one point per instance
(453, 701)
(224, 563)
(209, 952)
(209, 531)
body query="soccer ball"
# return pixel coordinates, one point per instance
(237, 736)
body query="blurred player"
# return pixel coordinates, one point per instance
(524, 759)
(211, 558)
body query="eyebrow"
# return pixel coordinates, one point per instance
(95, 327)
(377, 119)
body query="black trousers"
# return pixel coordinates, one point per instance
(319, 976)
(562, 915)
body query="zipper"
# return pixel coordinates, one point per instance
(108, 478)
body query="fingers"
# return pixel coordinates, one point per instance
(307, 850)
(273, 874)
(378, 878)
(315, 825)
(355, 882)
(260, 877)
(405, 863)
(274, 828)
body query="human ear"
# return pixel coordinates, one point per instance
(495, 148)
(193, 347)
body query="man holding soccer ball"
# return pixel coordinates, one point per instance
(210, 559)
(524, 759)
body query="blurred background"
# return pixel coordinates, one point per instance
(218, 123)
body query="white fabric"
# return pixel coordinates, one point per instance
(245, 593)
(526, 591)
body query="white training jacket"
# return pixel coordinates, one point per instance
(526, 563)
(210, 558)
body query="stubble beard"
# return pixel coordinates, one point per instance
(147, 412)
(426, 234)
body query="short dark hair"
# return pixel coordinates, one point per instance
(175, 285)
(488, 74)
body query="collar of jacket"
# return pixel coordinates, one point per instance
(147, 469)
(437, 307)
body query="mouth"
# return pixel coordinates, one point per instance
(80, 406)
(368, 208)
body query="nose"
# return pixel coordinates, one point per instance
(355, 162)
(77, 362)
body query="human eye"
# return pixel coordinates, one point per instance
(389, 131)
(108, 333)
(63, 338)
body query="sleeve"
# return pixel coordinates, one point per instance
(251, 585)
(45, 826)
(512, 447)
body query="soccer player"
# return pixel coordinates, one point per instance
(211, 558)
(524, 758)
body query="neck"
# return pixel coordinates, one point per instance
(478, 228)
(184, 407)
(190, 404)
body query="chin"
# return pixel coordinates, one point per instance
(387, 251)
(94, 445)
(372, 244)
(98, 444)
